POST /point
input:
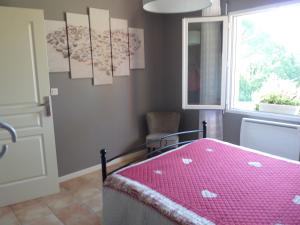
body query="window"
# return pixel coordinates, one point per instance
(265, 61)
(204, 62)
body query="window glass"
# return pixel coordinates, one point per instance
(204, 55)
(266, 61)
(205, 63)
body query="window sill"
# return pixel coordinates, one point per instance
(266, 115)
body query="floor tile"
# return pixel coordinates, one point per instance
(60, 200)
(72, 184)
(93, 178)
(79, 202)
(30, 210)
(7, 217)
(94, 203)
(99, 214)
(77, 214)
(86, 192)
(47, 220)
(22, 205)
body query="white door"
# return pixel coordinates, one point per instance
(29, 167)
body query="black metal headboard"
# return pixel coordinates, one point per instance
(162, 149)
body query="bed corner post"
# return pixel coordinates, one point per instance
(103, 164)
(204, 125)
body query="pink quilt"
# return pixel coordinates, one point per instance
(212, 182)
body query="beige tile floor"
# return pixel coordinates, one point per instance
(79, 202)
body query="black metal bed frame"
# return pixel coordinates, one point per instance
(150, 154)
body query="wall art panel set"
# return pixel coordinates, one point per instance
(94, 46)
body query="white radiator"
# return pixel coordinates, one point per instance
(279, 139)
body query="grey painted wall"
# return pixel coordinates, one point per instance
(173, 69)
(173, 66)
(87, 118)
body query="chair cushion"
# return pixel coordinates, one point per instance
(154, 140)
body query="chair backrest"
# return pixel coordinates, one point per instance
(163, 122)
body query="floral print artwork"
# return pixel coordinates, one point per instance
(79, 45)
(120, 49)
(94, 48)
(136, 48)
(101, 48)
(57, 46)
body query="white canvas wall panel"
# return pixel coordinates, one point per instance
(136, 48)
(101, 46)
(120, 47)
(57, 46)
(79, 45)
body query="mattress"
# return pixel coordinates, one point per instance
(206, 182)
(122, 209)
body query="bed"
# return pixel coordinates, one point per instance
(205, 182)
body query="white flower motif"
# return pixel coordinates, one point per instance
(255, 164)
(159, 172)
(187, 161)
(296, 200)
(209, 150)
(208, 194)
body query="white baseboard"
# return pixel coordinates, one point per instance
(79, 173)
(91, 169)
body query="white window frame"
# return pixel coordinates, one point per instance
(185, 23)
(231, 83)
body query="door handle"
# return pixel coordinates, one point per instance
(13, 135)
(10, 129)
(47, 105)
(3, 150)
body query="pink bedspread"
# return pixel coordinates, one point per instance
(211, 182)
